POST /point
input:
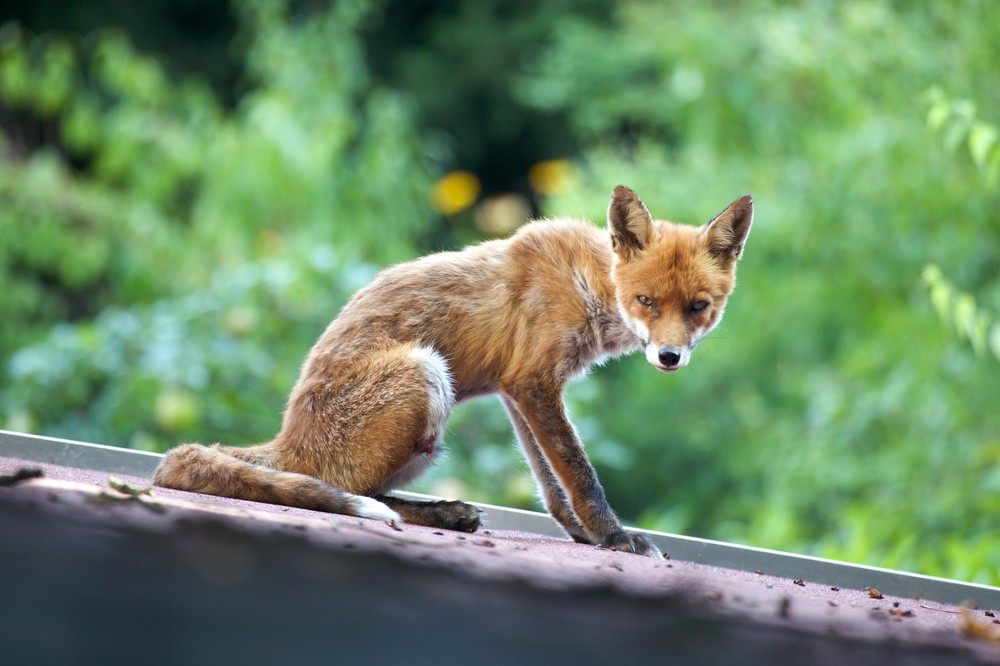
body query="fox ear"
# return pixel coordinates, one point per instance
(726, 233)
(629, 222)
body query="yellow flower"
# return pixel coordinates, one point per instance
(454, 192)
(550, 177)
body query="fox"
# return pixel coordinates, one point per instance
(519, 317)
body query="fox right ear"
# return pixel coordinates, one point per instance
(629, 222)
(727, 232)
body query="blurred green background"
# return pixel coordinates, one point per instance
(190, 191)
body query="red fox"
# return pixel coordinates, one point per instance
(520, 317)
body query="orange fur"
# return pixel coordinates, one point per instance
(519, 317)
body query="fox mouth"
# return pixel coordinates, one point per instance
(668, 370)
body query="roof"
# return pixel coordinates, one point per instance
(177, 577)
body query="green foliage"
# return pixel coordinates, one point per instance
(155, 218)
(957, 122)
(168, 260)
(960, 310)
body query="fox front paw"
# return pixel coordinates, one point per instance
(630, 542)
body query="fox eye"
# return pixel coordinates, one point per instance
(644, 300)
(698, 306)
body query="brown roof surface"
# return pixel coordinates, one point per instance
(177, 577)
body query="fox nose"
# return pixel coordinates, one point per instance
(669, 357)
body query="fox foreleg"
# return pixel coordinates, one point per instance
(552, 493)
(543, 411)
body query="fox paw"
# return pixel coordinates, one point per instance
(630, 542)
(454, 515)
(462, 517)
(578, 534)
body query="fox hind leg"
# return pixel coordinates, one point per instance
(440, 398)
(407, 432)
(444, 514)
(368, 423)
(388, 432)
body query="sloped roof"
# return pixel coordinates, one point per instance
(175, 577)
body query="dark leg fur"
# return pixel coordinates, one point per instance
(445, 514)
(552, 492)
(541, 408)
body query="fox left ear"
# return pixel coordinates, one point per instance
(726, 233)
(629, 222)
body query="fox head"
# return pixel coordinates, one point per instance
(672, 280)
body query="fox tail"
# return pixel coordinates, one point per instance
(241, 474)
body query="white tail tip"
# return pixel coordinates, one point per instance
(371, 508)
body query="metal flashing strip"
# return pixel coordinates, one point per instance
(689, 549)
(81, 455)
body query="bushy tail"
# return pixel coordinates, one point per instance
(211, 470)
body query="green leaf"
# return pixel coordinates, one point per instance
(982, 138)
(994, 340)
(978, 333)
(936, 115)
(15, 77)
(964, 314)
(964, 108)
(993, 168)
(940, 290)
(82, 125)
(954, 132)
